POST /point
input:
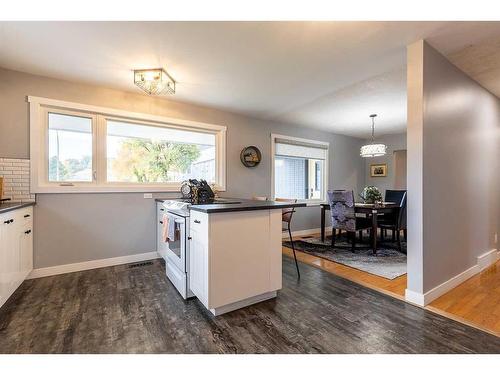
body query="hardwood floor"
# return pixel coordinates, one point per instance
(136, 310)
(475, 301)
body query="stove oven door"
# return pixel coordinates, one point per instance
(176, 247)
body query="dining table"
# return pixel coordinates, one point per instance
(371, 209)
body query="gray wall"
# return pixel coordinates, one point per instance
(454, 140)
(393, 142)
(79, 227)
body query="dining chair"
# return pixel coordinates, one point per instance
(344, 217)
(396, 222)
(286, 218)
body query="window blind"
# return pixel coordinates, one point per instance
(291, 148)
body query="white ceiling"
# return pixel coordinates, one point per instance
(327, 75)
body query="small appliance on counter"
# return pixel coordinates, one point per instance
(197, 191)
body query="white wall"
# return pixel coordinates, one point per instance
(453, 178)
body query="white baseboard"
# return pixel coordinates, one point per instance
(307, 232)
(414, 297)
(487, 259)
(483, 261)
(91, 264)
(244, 303)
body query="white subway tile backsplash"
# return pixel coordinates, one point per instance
(16, 179)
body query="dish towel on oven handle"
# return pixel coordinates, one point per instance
(168, 229)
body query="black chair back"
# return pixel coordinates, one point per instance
(398, 197)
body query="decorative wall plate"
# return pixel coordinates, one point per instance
(250, 156)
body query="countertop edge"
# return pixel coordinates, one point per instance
(235, 208)
(15, 206)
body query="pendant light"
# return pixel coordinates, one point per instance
(373, 149)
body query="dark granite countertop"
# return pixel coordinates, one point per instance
(237, 204)
(244, 205)
(11, 206)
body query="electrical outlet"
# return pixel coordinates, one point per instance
(148, 195)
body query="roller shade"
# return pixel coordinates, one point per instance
(298, 149)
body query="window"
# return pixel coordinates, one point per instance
(70, 148)
(149, 154)
(77, 148)
(299, 168)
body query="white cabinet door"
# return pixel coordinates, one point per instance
(197, 273)
(161, 246)
(3, 261)
(16, 250)
(25, 252)
(12, 253)
(24, 230)
(9, 273)
(198, 257)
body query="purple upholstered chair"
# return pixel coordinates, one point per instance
(343, 214)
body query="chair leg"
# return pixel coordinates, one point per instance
(398, 235)
(294, 255)
(405, 233)
(360, 236)
(334, 232)
(382, 234)
(393, 234)
(353, 246)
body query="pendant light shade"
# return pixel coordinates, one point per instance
(373, 149)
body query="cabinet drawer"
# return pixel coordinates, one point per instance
(198, 222)
(25, 215)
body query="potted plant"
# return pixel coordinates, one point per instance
(371, 194)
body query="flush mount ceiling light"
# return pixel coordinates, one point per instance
(154, 81)
(373, 149)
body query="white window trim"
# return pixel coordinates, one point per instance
(38, 147)
(309, 202)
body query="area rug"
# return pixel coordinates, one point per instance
(388, 262)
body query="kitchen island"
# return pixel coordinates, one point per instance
(234, 252)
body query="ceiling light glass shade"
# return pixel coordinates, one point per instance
(372, 150)
(154, 81)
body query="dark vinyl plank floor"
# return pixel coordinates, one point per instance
(136, 310)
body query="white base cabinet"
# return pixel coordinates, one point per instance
(235, 258)
(161, 246)
(16, 250)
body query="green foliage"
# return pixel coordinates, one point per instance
(371, 194)
(66, 169)
(145, 160)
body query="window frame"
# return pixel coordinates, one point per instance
(324, 182)
(45, 150)
(41, 107)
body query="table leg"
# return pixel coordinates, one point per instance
(374, 231)
(322, 223)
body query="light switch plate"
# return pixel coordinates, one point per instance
(148, 195)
